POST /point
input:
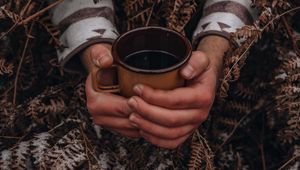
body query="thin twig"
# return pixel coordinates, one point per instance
(57, 126)
(10, 137)
(20, 65)
(20, 139)
(39, 12)
(263, 159)
(8, 31)
(150, 15)
(25, 8)
(288, 162)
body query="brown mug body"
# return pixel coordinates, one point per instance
(146, 38)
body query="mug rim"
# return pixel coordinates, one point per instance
(156, 71)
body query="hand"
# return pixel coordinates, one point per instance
(168, 118)
(108, 110)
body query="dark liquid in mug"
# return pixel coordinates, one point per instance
(151, 60)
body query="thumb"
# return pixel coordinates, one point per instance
(197, 64)
(101, 56)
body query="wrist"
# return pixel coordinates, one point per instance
(215, 48)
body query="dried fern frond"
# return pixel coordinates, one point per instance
(287, 97)
(40, 144)
(53, 32)
(201, 155)
(13, 16)
(247, 36)
(5, 68)
(55, 106)
(238, 106)
(179, 14)
(48, 106)
(5, 159)
(21, 155)
(67, 153)
(246, 92)
(8, 115)
(172, 14)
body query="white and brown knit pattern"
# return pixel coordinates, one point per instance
(220, 17)
(82, 23)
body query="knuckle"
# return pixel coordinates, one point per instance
(151, 95)
(147, 96)
(94, 51)
(173, 121)
(97, 52)
(178, 102)
(201, 59)
(123, 109)
(198, 53)
(207, 99)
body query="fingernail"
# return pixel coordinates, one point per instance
(132, 102)
(133, 120)
(134, 125)
(188, 71)
(103, 59)
(138, 89)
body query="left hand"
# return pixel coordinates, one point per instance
(168, 118)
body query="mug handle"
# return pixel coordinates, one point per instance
(106, 80)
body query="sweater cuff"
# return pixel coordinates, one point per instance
(222, 17)
(84, 33)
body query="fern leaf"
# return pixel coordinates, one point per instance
(67, 153)
(5, 159)
(5, 68)
(40, 144)
(21, 155)
(69, 157)
(201, 155)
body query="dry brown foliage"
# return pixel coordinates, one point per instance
(254, 124)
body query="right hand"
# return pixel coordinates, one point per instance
(108, 110)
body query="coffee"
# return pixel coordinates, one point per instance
(151, 60)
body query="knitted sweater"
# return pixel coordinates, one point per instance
(84, 22)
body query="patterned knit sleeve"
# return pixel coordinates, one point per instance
(221, 17)
(83, 23)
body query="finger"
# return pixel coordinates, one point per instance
(126, 133)
(180, 98)
(197, 64)
(101, 103)
(161, 131)
(164, 143)
(89, 90)
(166, 117)
(101, 55)
(113, 122)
